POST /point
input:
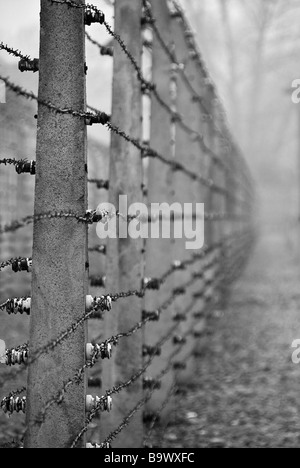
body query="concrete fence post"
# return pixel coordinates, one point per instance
(124, 255)
(59, 274)
(159, 252)
(186, 191)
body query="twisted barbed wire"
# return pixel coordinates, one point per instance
(104, 119)
(151, 87)
(197, 98)
(100, 183)
(18, 90)
(89, 217)
(146, 84)
(142, 402)
(59, 398)
(182, 290)
(98, 248)
(117, 389)
(11, 51)
(104, 49)
(13, 162)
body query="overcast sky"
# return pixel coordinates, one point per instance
(19, 23)
(19, 28)
(20, 19)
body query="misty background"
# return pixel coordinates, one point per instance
(252, 51)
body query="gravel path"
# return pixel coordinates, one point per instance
(247, 390)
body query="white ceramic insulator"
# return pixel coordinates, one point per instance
(89, 351)
(89, 403)
(89, 303)
(29, 265)
(26, 303)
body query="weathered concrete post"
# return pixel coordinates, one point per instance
(188, 152)
(59, 245)
(124, 255)
(159, 252)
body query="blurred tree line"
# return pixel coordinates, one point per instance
(252, 49)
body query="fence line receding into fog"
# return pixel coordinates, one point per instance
(155, 300)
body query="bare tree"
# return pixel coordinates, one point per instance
(231, 60)
(262, 15)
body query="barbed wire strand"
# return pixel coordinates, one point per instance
(197, 98)
(101, 47)
(117, 389)
(104, 119)
(140, 404)
(115, 297)
(123, 46)
(12, 162)
(89, 218)
(136, 376)
(11, 51)
(151, 87)
(100, 183)
(176, 293)
(29, 95)
(27, 220)
(58, 399)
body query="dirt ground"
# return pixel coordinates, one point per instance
(247, 390)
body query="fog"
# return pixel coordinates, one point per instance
(252, 50)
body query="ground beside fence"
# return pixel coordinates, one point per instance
(247, 389)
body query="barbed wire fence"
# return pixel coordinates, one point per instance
(155, 296)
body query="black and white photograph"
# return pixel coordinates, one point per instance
(149, 226)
